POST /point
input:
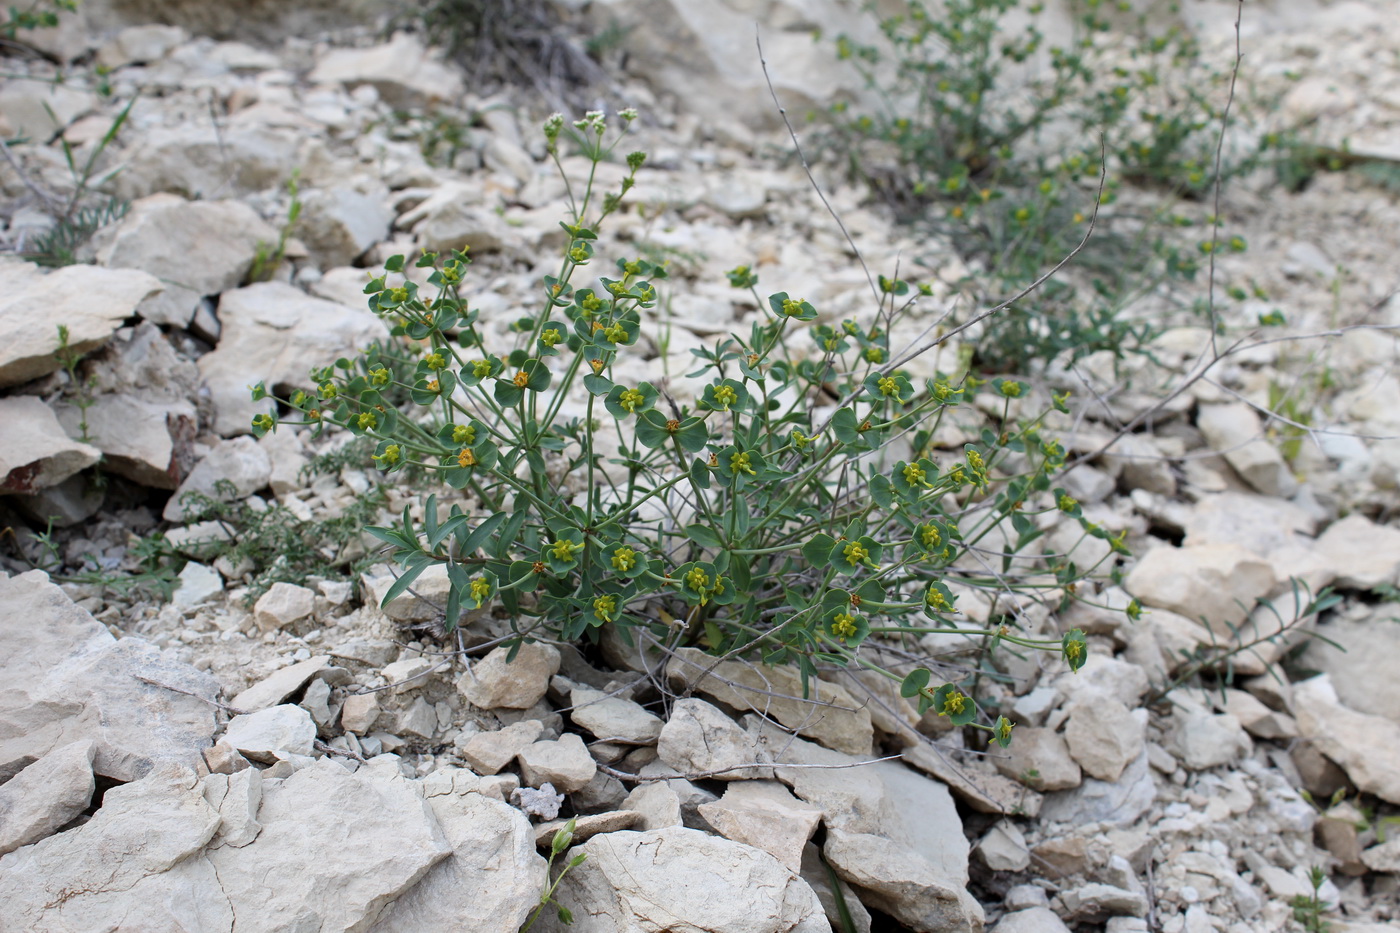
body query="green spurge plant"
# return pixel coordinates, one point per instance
(989, 135)
(801, 505)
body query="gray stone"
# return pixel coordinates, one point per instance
(911, 890)
(195, 248)
(1215, 583)
(45, 796)
(237, 797)
(272, 733)
(91, 302)
(39, 109)
(1362, 554)
(1201, 740)
(983, 791)
(359, 712)
(239, 461)
(494, 682)
(272, 333)
(35, 452)
(1100, 901)
(139, 44)
(814, 872)
(67, 679)
(629, 882)
(542, 802)
(489, 752)
(565, 763)
(203, 162)
(199, 583)
(1004, 848)
(143, 438)
(657, 805)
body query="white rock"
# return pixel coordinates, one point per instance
(283, 606)
(67, 679)
(237, 797)
(402, 71)
(491, 881)
(339, 224)
(613, 718)
(1040, 759)
(1366, 747)
(273, 333)
(1362, 554)
(489, 752)
(630, 882)
(493, 682)
(698, 738)
(765, 815)
(1004, 848)
(275, 688)
(911, 890)
(1104, 736)
(38, 109)
(91, 302)
(359, 712)
(199, 161)
(1217, 583)
(831, 715)
(197, 248)
(239, 461)
(565, 763)
(35, 452)
(45, 796)
(1384, 857)
(424, 604)
(1362, 672)
(409, 672)
(1138, 459)
(1031, 920)
(657, 806)
(272, 733)
(1096, 801)
(420, 719)
(198, 583)
(1201, 740)
(1236, 431)
(139, 44)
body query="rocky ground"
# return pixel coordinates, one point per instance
(297, 757)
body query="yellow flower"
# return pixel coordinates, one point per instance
(844, 626)
(739, 463)
(914, 474)
(521, 379)
(564, 549)
(630, 399)
(466, 458)
(953, 703)
(697, 580)
(605, 608)
(367, 420)
(888, 386)
(480, 591)
(463, 434)
(725, 396)
(481, 369)
(855, 553)
(435, 361)
(624, 559)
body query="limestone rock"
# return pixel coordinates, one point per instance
(831, 715)
(1217, 583)
(67, 679)
(35, 452)
(492, 880)
(1362, 554)
(198, 584)
(1201, 740)
(46, 795)
(272, 733)
(1040, 759)
(283, 606)
(564, 762)
(1367, 747)
(277, 687)
(196, 248)
(422, 605)
(272, 333)
(1004, 848)
(657, 806)
(1094, 801)
(1362, 672)
(489, 752)
(239, 461)
(698, 738)
(401, 70)
(1031, 920)
(201, 162)
(910, 890)
(141, 438)
(359, 712)
(765, 815)
(339, 224)
(677, 878)
(139, 45)
(493, 682)
(1103, 736)
(1236, 431)
(814, 872)
(586, 827)
(613, 718)
(38, 110)
(91, 302)
(237, 797)
(983, 791)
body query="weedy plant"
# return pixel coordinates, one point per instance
(807, 500)
(995, 139)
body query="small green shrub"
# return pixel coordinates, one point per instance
(808, 498)
(997, 141)
(40, 14)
